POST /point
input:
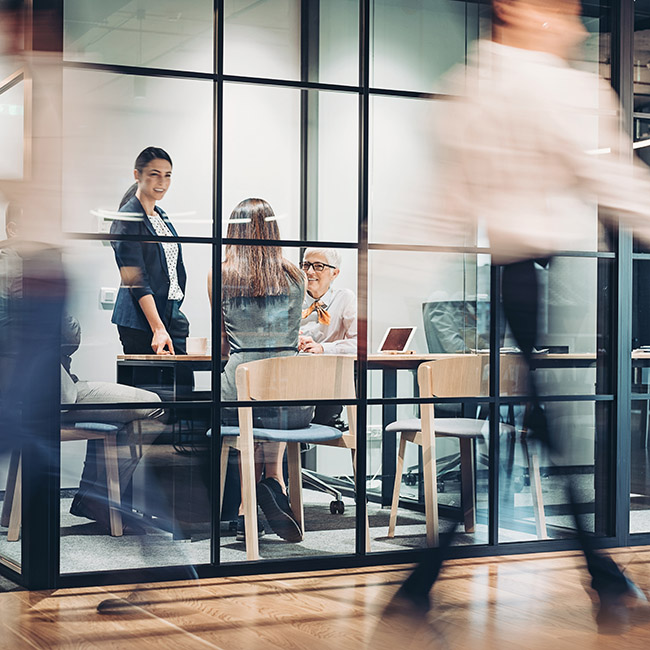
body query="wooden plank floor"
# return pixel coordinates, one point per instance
(534, 601)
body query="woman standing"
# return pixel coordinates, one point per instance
(147, 311)
(262, 296)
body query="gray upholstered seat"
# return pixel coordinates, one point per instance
(457, 427)
(313, 433)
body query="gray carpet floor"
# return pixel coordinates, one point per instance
(85, 548)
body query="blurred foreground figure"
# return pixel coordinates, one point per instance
(515, 156)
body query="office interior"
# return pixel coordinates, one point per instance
(326, 109)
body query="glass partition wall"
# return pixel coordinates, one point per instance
(323, 110)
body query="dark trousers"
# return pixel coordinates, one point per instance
(135, 341)
(520, 296)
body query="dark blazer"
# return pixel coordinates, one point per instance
(149, 257)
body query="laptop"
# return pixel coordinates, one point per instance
(396, 339)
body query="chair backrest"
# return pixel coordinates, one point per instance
(513, 371)
(315, 376)
(457, 376)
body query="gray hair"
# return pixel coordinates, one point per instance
(332, 256)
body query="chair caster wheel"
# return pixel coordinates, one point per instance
(337, 507)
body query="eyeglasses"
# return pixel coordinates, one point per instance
(317, 266)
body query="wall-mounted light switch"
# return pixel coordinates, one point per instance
(107, 297)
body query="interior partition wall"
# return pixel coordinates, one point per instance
(325, 110)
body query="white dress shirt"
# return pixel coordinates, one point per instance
(530, 147)
(340, 336)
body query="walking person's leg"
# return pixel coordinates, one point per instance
(520, 296)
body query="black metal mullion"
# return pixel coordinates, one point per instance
(217, 193)
(622, 81)
(362, 274)
(494, 407)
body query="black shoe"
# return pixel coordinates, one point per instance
(241, 529)
(275, 506)
(617, 611)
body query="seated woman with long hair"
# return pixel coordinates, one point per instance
(261, 301)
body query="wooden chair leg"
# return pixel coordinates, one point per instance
(354, 467)
(392, 522)
(112, 485)
(249, 499)
(10, 488)
(15, 519)
(532, 459)
(430, 476)
(467, 483)
(225, 455)
(295, 483)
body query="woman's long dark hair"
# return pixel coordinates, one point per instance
(143, 159)
(255, 270)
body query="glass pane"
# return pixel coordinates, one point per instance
(261, 151)
(332, 167)
(573, 324)
(146, 33)
(263, 335)
(109, 321)
(456, 488)
(338, 42)
(640, 469)
(154, 463)
(405, 173)
(415, 43)
(445, 296)
(108, 119)
(534, 486)
(262, 39)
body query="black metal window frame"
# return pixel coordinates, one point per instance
(621, 21)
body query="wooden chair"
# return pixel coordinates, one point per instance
(287, 378)
(107, 433)
(461, 376)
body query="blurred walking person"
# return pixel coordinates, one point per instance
(515, 156)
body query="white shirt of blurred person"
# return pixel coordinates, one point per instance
(547, 148)
(329, 316)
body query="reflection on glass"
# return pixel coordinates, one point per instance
(108, 119)
(640, 468)
(148, 33)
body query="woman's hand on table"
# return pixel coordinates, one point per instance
(160, 341)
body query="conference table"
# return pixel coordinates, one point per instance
(388, 364)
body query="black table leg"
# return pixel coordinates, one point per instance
(389, 440)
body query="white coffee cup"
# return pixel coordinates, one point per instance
(196, 345)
